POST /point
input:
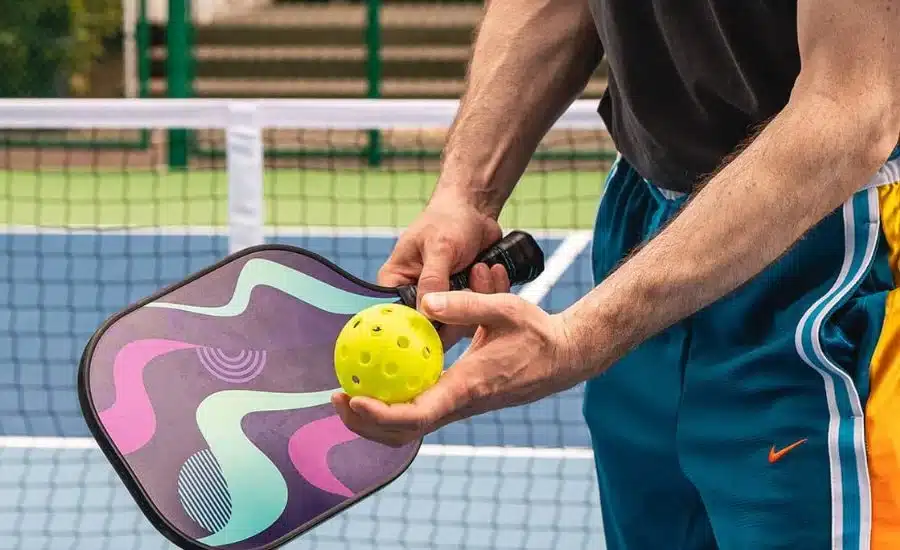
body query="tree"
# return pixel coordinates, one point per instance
(48, 47)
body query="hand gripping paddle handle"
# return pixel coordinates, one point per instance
(518, 252)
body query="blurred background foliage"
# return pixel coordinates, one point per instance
(48, 48)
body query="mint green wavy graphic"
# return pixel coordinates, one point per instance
(258, 272)
(258, 491)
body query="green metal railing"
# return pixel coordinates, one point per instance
(373, 76)
(179, 70)
(177, 37)
(375, 151)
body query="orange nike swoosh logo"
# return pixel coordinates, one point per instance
(775, 456)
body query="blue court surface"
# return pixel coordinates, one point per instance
(520, 478)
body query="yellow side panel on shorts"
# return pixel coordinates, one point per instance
(883, 405)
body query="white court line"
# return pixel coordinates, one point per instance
(558, 453)
(563, 257)
(47, 443)
(563, 453)
(222, 231)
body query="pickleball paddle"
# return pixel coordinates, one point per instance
(211, 398)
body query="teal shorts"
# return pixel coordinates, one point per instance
(770, 419)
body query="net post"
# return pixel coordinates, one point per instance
(245, 165)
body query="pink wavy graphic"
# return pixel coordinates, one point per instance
(308, 449)
(130, 421)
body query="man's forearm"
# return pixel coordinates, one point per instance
(787, 180)
(530, 60)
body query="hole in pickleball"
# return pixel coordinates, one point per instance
(413, 382)
(403, 342)
(426, 352)
(376, 330)
(391, 369)
(355, 379)
(343, 352)
(356, 323)
(386, 310)
(365, 357)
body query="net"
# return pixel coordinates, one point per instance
(89, 225)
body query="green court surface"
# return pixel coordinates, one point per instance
(344, 198)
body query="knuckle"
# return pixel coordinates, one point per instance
(470, 303)
(431, 282)
(502, 281)
(477, 390)
(442, 244)
(428, 278)
(466, 300)
(508, 305)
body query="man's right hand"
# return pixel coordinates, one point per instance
(446, 238)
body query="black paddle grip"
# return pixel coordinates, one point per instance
(518, 252)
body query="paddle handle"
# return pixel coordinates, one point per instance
(518, 252)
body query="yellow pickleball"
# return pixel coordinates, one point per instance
(389, 352)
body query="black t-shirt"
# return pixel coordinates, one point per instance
(690, 80)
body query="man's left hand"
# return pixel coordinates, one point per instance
(518, 354)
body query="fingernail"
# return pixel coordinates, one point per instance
(435, 302)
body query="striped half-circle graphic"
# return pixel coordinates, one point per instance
(236, 368)
(203, 491)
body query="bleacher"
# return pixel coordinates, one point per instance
(321, 50)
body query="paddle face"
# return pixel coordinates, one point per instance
(212, 402)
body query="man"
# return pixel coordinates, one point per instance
(740, 345)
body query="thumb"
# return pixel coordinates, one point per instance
(437, 263)
(470, 308)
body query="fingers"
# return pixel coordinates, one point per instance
(399, 269)
(484, 280)
(364, 427)
(500, 278)
(398, 424)
(471, 308)
(488, 280)
(403, 417)
(390, 278)
(480, 279)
